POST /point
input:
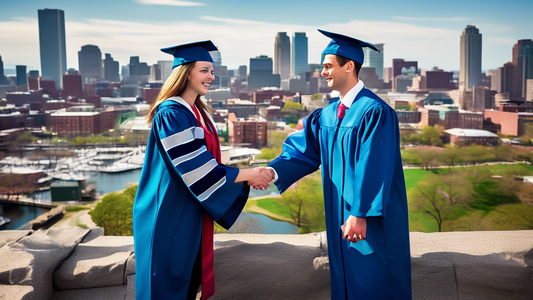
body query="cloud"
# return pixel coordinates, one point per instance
(454, 19)
(169, 2)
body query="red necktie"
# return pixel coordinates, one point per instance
(341, 110)
(208, 270)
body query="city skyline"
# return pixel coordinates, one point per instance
(415, 31)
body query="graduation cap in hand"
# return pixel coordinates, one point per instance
(185, 53)
(345, 46)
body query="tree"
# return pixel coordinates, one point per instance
(114, 212)
(317, 96)
(292, 105)
(430, 136)
(306, 204)
(430, 197)
(451, 156)
(517, 216)
(427, 156)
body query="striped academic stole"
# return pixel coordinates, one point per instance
(208, 270)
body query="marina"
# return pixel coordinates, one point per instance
(106, 170)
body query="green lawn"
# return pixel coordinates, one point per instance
(274, 206)
(413, 176)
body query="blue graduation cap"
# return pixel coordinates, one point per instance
(345, 46)
(185, 53)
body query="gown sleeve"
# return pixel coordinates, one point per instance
(301, 153)
(375, 160)
(183, 148)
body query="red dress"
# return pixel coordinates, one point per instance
(208, 274)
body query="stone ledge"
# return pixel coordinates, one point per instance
(452, 265)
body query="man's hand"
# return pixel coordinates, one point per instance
(261, 178)
(354, 229)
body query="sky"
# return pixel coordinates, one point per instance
(424, 31)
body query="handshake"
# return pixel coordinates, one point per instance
(260, 178)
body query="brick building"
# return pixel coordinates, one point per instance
(72, 86)
(253, 133)
(445, 116)
(408, 116)
(470, 120)
(82, 122)
(508, 123)
(472, 136)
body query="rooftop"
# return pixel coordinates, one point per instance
(74, 263)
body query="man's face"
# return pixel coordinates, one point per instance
(336, 76)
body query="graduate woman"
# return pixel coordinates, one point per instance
(183, 185)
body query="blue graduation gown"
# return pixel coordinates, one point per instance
(362, 176)
(180, 179)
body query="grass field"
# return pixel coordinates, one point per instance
(275, 206)
(487, 193)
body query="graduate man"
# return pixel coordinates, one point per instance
(357, 141)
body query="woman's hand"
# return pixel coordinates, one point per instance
(259, 178)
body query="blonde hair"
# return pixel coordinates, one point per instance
(174, 86)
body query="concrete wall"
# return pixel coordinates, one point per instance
(75, 263)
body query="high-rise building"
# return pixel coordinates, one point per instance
(481, 99)
(22, 77)
(111, 69)
(52, 44)
(374, 59)
(166, 68)
(299, 54)
(529, 90)
(496, 79)
(138, 68)
(509, 83)
(2, 77)
(470, 69)
(90, 62)
(217, 58)
(243, 73)
(155, 73)
(523, 60)
(72, 85)
(33, 74)
(282, 55)
(261, 73)
(401, 67)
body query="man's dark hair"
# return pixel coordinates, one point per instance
(343, 60)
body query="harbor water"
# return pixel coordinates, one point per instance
(113, 182)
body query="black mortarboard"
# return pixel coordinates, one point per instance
(185, 53)
(345, 46)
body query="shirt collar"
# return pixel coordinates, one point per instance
(347, 100)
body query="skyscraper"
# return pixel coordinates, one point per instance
(243, 73)
(90, 63)
(166, 68)
(111, 69)
(299, 54)
(282, 55)
(52, 44)
(261, 73)
(22, 77)
(523, 60)
(470, 71)
(2, 79)
(217, 58)
(374, 59)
